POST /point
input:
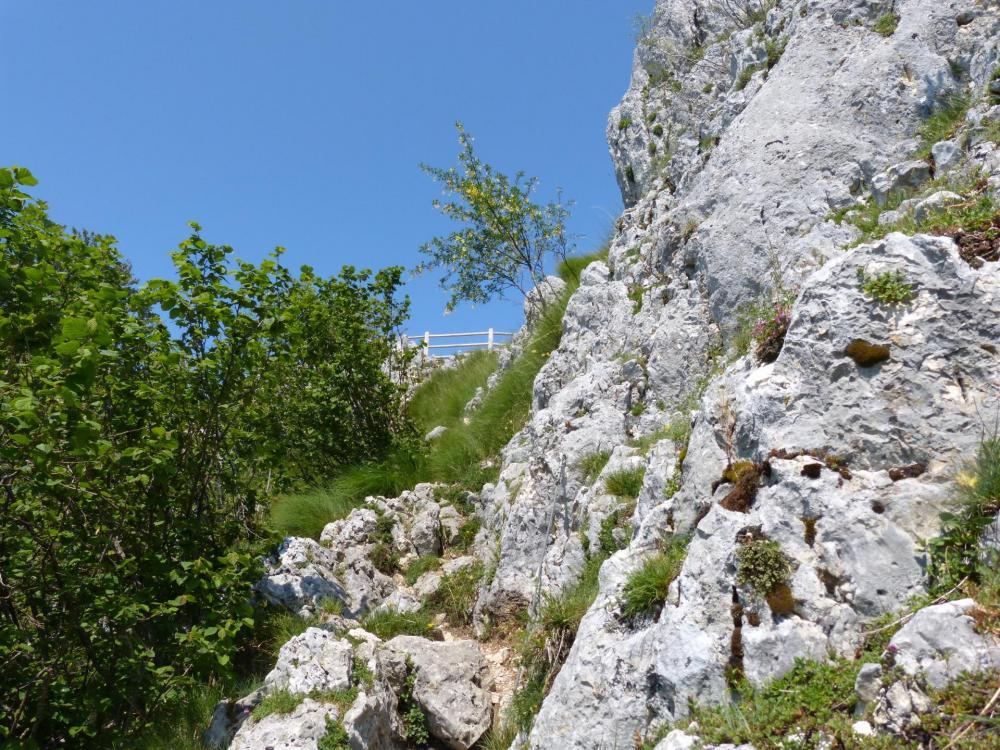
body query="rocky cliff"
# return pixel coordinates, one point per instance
(791, 349)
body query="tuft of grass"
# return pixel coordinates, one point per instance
(278, 702)
(886, 24)
(388, 623)
(888, 287)
(336, 737)
(956, 552)
(456, 595)
(744, 77)
(625, 482)
(467, 534)
(420, 566)
(441, 399)
(762, 565)
(571, 268)
(646, 587)
(592, 465)
(943, 123)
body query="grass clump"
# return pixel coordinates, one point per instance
(762, 565)
(388, 623)
(456, 595)
(467, 534)
(646, 588)
(886, 24)
(593, 464)
(420, 566)
(887, 288)
(624, 123)
(625, 482)
(336, 737)
(278, 702)
(942, 123)
(955, 553)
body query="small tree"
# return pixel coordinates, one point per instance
(506, 239)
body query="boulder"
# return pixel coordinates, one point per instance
(302, 729)
(940, 642)
(315, 661)
(451, 686)
(300, 576)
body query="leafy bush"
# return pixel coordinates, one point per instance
(762, 565)
(137, 457)
(888, 287)
(625, 482)
(646, 587)
(886, 24)
(593, 464)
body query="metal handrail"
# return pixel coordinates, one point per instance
(425, 340)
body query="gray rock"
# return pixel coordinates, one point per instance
(900, 177)
(435, 433)
(939, 643)
(935, 203)
(227, 718)
(545, 294)
(451, 686)
(302, 729)
(348, 533)
(300, 576)
(315, 661)
(425, 530)
(899, 707)
(868, 683)
(947, 155)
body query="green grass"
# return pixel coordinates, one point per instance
(336, 737)
(388, 623)
(420, 566)
(593, 464)
(646, 588)
(278, 702)
(887, 288)
(943, 123)
(441, 399)
(625, 482)
(886, 24)
(457, 456)
(467, 534)
(456, 595)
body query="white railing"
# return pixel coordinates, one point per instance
(492, 339)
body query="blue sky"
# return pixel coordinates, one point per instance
(302, 123)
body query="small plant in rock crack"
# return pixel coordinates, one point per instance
(414, 720)
(886, 24)
(646, 588)
(762, 565)
(768, 328)
(888, 287)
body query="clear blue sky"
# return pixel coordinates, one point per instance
(301, 123)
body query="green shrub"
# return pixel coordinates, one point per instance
(646, 587)
(888, 287)
(144, 432)
(762, 565)
(456, 595)
(388, 623)
(592, 465)
(658, 131)
(886, 24)
(744, 77)
(420, 566)
(625, 482)
(278, 702)
(774, 48)
(415, 730)
(624, 123)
